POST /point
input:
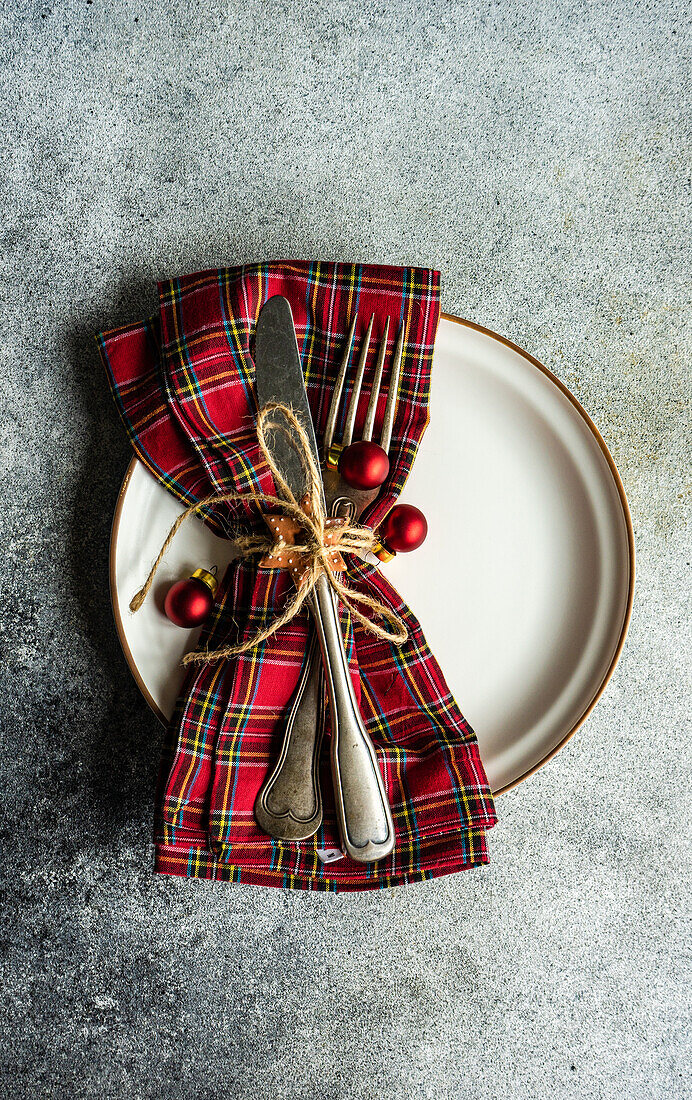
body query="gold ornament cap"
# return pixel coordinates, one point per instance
(334, 455)
(210, 579)
(380, 551)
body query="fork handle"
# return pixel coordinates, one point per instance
(364, 816)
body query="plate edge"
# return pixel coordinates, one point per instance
(115, 603)
(629, 603)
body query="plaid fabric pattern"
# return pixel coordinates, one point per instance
(184, 385)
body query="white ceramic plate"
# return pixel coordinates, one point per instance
(524, 586)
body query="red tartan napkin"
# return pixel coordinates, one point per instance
(184, 385)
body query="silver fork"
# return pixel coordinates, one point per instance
(289, 805)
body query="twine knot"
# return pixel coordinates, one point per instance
(302, 538)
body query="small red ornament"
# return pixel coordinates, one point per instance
(403, 529)
(364, 465)
(189, 602)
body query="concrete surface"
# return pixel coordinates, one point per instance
(538, 154)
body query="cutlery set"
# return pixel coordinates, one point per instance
(289, 805)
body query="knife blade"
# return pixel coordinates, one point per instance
(279, 377)
(363, 813)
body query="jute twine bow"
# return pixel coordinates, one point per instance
(321, 540)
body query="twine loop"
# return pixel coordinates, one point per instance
(321, 540)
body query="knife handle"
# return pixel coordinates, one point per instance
(365, 819)
(289, 804)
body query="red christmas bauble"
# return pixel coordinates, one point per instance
(404, 528)
(364, 465)
(189, 602)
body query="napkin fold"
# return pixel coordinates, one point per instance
(183, 382)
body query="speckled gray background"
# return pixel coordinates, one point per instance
(536, 153)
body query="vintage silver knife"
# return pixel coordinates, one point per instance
(365, 819)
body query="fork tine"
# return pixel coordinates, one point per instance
(328, 437)
(390, 407)
(355, 392)
(376, 383)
